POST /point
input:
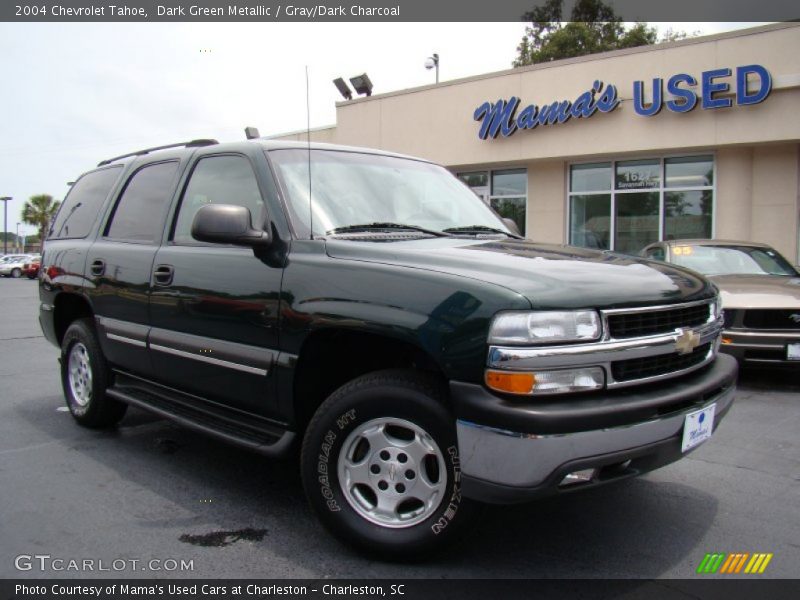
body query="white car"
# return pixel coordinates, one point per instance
(11, 266)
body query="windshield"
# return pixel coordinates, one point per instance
(732, 260)
(350, 188)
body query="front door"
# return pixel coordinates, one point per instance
(214, 308)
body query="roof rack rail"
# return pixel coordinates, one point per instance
(189, 144)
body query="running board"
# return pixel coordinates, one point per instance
(223, 424)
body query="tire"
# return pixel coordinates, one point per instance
(85, 376)
(15, 273)
(386, 438)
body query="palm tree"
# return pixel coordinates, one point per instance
(39, 211)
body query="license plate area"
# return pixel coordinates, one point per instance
(697, 427)
(793, 352)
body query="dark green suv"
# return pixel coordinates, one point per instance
(368, 309)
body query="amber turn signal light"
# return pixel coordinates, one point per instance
(510, 382)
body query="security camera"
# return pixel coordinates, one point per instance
(430, 63)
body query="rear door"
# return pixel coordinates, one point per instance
(64, 258)
(214, 308)
(119, 264)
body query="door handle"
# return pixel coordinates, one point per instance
(98, 267)
(163, 274)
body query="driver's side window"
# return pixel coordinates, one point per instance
(656, 253)
(218, 180)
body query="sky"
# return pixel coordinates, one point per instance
(77, 93)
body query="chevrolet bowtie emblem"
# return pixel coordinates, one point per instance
(687, 341)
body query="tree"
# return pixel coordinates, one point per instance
(593, 27)
(39, 211)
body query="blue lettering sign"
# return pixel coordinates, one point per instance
(527, 118)
(681, 96)
(638, 99)
(710, 88)
(742, 97)
(683, 99)
(608, 101)
(499, 118)
(688, 96)
(584, 105)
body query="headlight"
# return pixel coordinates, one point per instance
(545, 327)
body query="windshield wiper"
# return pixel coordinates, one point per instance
(481, 229)
(374, 226)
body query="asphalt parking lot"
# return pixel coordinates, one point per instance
(150, 490)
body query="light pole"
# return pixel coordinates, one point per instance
(5, 200)
(16, 240)
(433, 62)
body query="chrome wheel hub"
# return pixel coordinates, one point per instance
(392, 472)
(79, 373)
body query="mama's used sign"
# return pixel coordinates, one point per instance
(505, 118)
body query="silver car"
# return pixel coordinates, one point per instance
(11, 265)
(760, 293)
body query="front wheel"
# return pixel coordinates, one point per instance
(15, 273)
(380, 466)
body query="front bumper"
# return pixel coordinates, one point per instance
(513, 451)
(760, 347)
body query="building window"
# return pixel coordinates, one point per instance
(626, 205)
(506, 191)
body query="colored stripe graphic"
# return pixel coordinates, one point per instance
(741, 562)
(732, 559)
(734, 563)
(703, 563)
(723, 563)
(711, 562)
(759, 562)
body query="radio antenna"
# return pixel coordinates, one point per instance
(308, 145)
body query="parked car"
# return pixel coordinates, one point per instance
(31, 268)
(12, 265)
(369, 309)
(760, 295)
(11, 257)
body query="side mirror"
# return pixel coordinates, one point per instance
(227, 224)
(512, 225)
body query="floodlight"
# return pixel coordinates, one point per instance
(343, 89)
(362, 84)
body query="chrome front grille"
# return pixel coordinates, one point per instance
(625, 325)
(652, 366)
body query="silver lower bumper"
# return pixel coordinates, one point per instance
(520, 460)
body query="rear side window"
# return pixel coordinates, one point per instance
(83, 203)
(140, 211)
(218, 180)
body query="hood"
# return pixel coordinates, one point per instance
(758, 291)
(549, 276)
